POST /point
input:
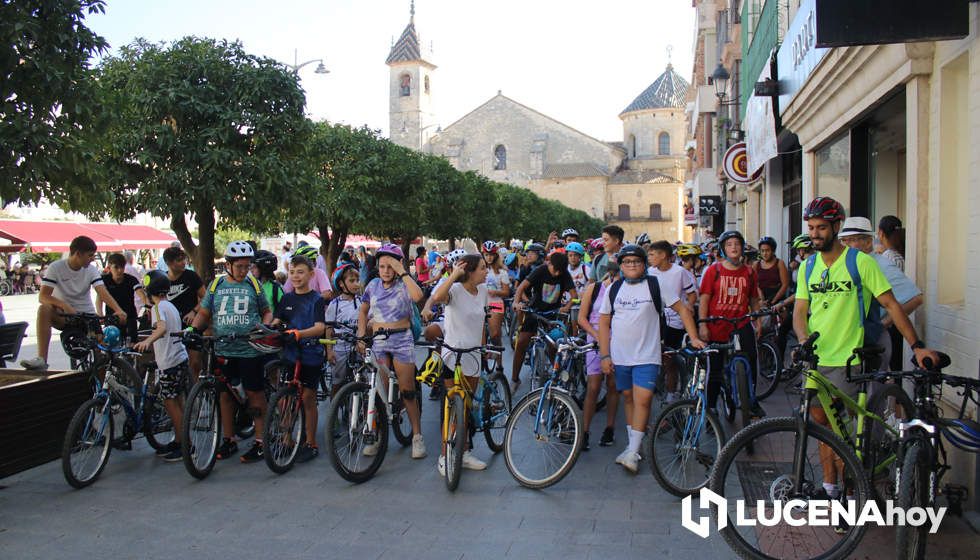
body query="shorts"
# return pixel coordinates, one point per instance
(172, 382)
(593, 365)
(838, 376)
(643, 376)
(673, 338)
(250, 371)
(400, 347)
(529, 325)
(309, 376)
(496, 307)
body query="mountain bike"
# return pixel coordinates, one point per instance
(788, 458)
(686, 436)
(362, 410)
(201, 423)
(543, 436)
(922, 460)
(544, 344)
(81, 338)
(92, 433)
(466, 410)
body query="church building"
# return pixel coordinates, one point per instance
(636, 183)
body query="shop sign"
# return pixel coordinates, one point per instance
(798, 55)
(690, 216)
(760, 127)
(736, 165)
(709, 205)
(844, 23)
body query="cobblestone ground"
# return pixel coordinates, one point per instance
(142, 507)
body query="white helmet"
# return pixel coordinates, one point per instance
(239, 250)
(569, 231)
(454, 256)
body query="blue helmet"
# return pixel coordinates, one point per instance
(575, 247)
(510, 259)
(111, 337)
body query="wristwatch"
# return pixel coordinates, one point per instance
(918, 344)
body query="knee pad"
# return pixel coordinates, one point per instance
(408, 395)
(254, 411)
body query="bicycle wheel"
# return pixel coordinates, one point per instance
(728, 403)
(285, 429)
(542, 367)
(496, 411)
(913, 491)
(455, 434)
(5, 288)
(890, 403)
(685, 439)
(278, 372)
(201, 427)
(745, 478)
(543, 438)
(157, 426)
(358, 450)
(744, 399)
(770, 366)
(87, 444)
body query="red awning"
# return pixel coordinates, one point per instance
(55, 237)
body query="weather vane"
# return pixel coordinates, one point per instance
(670, 49)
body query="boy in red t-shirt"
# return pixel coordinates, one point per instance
(729, 288)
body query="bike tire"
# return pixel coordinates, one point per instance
(677, 427)
(278, 372)
(157, 426)
(285, 429)
(770, 367)
(519, 439)
(201, 427)
(892, 404)
(775, 437)
(729, 403)
(542, 366)
(455, 434)
(496, 410)
(80, 439)
(913, 491)
(349, 445)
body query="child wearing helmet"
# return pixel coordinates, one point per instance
(387, 303)
(169, 354)
(233, 304)
(342, 309)
(264, 267)
(576, 267)
(320, 283)
(498, 287)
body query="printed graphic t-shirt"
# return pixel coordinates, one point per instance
(730, 291)
(235, 308)
(183, 291)
(635, 325)
(547, 289)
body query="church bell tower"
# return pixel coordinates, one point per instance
(411, 119)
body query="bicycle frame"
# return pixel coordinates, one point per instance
(556, 382)
(374, 388)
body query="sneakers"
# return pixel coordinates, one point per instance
(608, 437)
(166, 449)
(36, 363)
(254, 454)
(173, 455)
(307, 453)
(418, 447)
(630, 460)
(441, 465)
(757, 411)
(585, 442)
(472, 463)
(227, 449)
(371, 449)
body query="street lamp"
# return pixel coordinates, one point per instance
(720, 77)
(295, 66)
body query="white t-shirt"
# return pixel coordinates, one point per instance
(464, 325)
(168, 350)
(677, 281)
(345, 311)
(73, 286)
(580, 276)
(635, 325)
(496, 281)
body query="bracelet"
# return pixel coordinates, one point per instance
(403, 274)
(606, 357)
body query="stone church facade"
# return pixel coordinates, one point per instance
(635, 183)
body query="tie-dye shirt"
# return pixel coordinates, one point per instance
(388, 305)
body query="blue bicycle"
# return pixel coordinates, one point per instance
(116, 406)
(686, 437)
(543, 345)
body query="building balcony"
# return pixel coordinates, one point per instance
(664, 217)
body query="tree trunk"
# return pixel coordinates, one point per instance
(202, 255)
(406, 246)
(332, 245)
(452, 243)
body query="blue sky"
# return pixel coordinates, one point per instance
(578, 61)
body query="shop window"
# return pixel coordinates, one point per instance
(406, 86)
(663, 144)
(500, 157)
(632, 146)
(656, 212)
(426, 85)
(834, 170)
(624, 211)
(954, 173)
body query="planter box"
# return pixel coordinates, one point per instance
(34, 415)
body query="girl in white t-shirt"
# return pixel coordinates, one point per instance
(498, 287)
(465, 296)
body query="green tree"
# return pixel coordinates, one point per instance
(45, 96)
(200, 127)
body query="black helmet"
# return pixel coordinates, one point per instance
(536, 247)
(156, 283)
(729, 235)
(266, 261)
(631, 250)
(768, 241)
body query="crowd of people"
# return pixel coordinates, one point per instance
(633, 298)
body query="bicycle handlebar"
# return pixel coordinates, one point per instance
(733, 320)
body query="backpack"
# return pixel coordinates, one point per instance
(251, 280)
(652, 283)
(872, 321)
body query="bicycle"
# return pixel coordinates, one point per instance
(492, 398)
(91, 432)
(922, 462)
(362, 410)
(510, 318)
(543, 345)
(81, 339)
(549, 421)
(770, 357)
(201, 424)
(686, 436)
(786, 461)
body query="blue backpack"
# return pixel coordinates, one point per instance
(872, 321)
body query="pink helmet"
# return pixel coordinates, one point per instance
(391, 250)
(596, 244)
